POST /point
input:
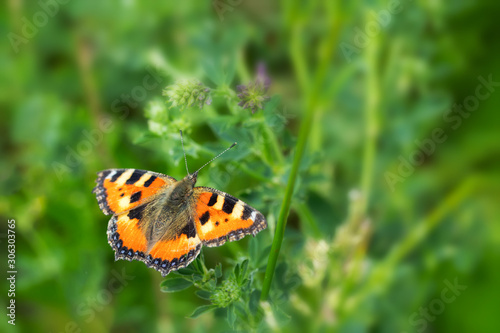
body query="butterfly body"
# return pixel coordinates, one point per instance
(164, 222)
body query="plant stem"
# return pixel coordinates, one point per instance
(311, 92)
(285, 206)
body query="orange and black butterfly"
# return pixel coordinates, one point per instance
(164, 222)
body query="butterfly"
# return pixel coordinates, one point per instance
(164, 222)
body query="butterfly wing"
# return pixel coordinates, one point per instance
(220, 217)
(119, 190)
(127, 236)
(213, 218)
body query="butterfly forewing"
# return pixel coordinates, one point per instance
(220, 217)
(119, 190)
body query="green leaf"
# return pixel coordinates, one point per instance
(239, 309)
(231, 315)
(212, 71)
(271, 105)
(237, 271)
(201, 310)
(203, 294)
(211, 284)
(218, 271)
(174, 285)
(185, 271)
(220, 71)
(244, 269)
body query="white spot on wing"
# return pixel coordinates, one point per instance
(219, 203)
(207, 227)
(237, 210)
(253, 216)
(124, 202)
(124, 177)
(111, 174)
(143, 179)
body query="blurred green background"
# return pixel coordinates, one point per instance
(393, 225)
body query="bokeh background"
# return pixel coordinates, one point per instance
(394, 221)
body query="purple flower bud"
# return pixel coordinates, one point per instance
(254, 93)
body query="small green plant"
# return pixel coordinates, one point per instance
(233, 293)
(187, 94)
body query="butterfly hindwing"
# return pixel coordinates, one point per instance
(178, 251)
(119, 190)
(220, 217)
(126, 236)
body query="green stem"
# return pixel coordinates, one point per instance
(285, 206)
(312, 97)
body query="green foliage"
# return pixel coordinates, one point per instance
(235, 293)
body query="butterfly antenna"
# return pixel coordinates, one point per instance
(184, 151)
(204, 165)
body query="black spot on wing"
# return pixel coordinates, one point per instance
(135, 197)
(149, 181)
(164, 264)
(247, 211)
(204, 218)
(228, 205)
(213, 199)
(174, 262)
(189, 230)
(136, 175)
(117, 174)
(123, 250)
(136, 213)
